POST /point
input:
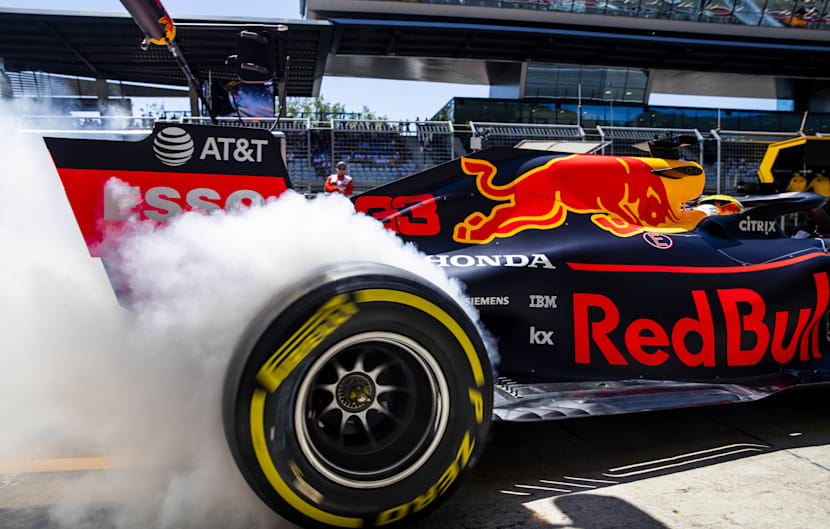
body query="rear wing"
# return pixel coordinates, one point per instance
(176, 168)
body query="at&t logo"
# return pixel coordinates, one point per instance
(173, 146)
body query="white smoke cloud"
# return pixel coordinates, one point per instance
(79, 375)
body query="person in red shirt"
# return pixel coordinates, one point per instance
(339, 182)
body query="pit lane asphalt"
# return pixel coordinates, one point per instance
(754, 465)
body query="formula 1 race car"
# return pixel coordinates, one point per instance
(362, 396)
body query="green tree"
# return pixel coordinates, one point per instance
(318, 109)
(368, 114)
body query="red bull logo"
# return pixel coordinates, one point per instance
(169, 30)
(753, 330)
(623, 194)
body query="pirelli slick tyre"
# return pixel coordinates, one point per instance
(360, 401)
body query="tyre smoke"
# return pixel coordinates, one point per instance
(82, 376)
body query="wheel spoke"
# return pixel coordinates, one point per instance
(326, 426)
(341, 371)
(330, 408)
(380, 408)
(344, 418)
(375, 373)
(359, 362)
(365, 423)
(331, 389)
(380, 390)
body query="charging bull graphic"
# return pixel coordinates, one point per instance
(627, 196)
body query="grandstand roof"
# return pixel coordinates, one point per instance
(103, 45)
(432, 42)
(442, 42)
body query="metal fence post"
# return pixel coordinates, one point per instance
(451, 139)
(331, 152)
(308, 151)
(718, 163)
(601, 138)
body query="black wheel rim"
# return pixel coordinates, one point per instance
(371, 410)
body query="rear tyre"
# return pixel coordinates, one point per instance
(363, 402)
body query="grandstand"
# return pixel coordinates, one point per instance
(809, 14)
(379, 152)
(376, 151)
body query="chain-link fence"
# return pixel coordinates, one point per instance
(378, 152)
(739, 155)
(297, 148)
(630, 141)
(487, 134)
(298, 151)
(624, 140)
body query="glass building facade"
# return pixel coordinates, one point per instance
(807, 14)
(588, 82)
(623, 114)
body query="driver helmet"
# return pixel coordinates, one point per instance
(718, 205)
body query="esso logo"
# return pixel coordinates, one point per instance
(163, 203)
(173, 146)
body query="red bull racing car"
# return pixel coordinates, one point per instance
(362, 397)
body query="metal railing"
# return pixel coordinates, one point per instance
(76, 124)
(489, 134)
(624, 139)
(378, 152)
(629, 141)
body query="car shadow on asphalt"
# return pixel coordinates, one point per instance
(567, 463)
(593, 511)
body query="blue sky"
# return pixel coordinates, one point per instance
(382, 96)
